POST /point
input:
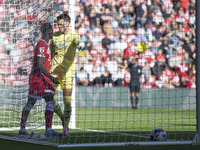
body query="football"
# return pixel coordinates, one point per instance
(158, 134)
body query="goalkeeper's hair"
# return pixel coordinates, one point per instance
(65, 17)
(45, 28)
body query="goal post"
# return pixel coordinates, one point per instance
(198, 73)
(102, 112)
(73, 102)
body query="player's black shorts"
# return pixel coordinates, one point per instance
(134, 88)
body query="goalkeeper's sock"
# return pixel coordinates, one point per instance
(24, 118)
(58, 111)
(67, 110)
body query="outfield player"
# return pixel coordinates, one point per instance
(40, 82)
(134, 85)
(63, 48)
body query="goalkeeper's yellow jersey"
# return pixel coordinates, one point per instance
(63, 49)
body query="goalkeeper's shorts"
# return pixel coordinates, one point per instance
(39, 86)
(66, 78)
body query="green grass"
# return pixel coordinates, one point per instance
(13, 145)
(116, 125)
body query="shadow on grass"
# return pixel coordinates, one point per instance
(107, 137)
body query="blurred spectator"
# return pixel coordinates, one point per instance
(176, 80)
(125, 20)
(111, 64)
(180, 18)
(146, 70)
(94, 18)
(88, 66)
(140, 13)
(188, 60)
(158, 68)
(100, 68)
(52, 16)
(82, 77)
(139, 36)
(94, 78)
(192, 19)
(117, 77)
(107, 26)
(174, 61)
(141, 59)
(120, 45)
(154, 46)
(57, 6)
(150, 30)
(160, 56)
(106, 79)
(184, 4)
(183, 82)
(163, 80)
(183, 68)
(78, 22)
(106, 42)
(95, 38)
(157, 34)
(173, 38)
(149, 81)
(146, 31)
(155, 5)
(192, 82)
(158, 17)
(181, 33)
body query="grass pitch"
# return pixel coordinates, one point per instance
(95, 125)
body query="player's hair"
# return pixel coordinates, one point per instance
(45, 27)
(65, 17)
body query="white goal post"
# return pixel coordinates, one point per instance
(73, 102)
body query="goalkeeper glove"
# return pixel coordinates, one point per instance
(81, 46)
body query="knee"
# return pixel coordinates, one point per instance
(49, 97)
(50, 105)
(29, 105)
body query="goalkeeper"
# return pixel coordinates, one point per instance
(40, 82)
(63, 48)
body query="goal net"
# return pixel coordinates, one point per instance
(137, 72)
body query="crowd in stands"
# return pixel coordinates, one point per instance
(159, 33)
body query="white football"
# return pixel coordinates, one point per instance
(158, 134)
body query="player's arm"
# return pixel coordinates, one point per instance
(40, 62)
(79, 43)
(52, 48)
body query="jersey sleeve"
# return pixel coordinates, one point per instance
(41, 48)
(77, 39)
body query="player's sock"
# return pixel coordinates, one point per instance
(49, 114)
(25, 112)
(132, 101)
(136, 102)
(67, 110)
(24, 118)
(58, 111)
(48, 118)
